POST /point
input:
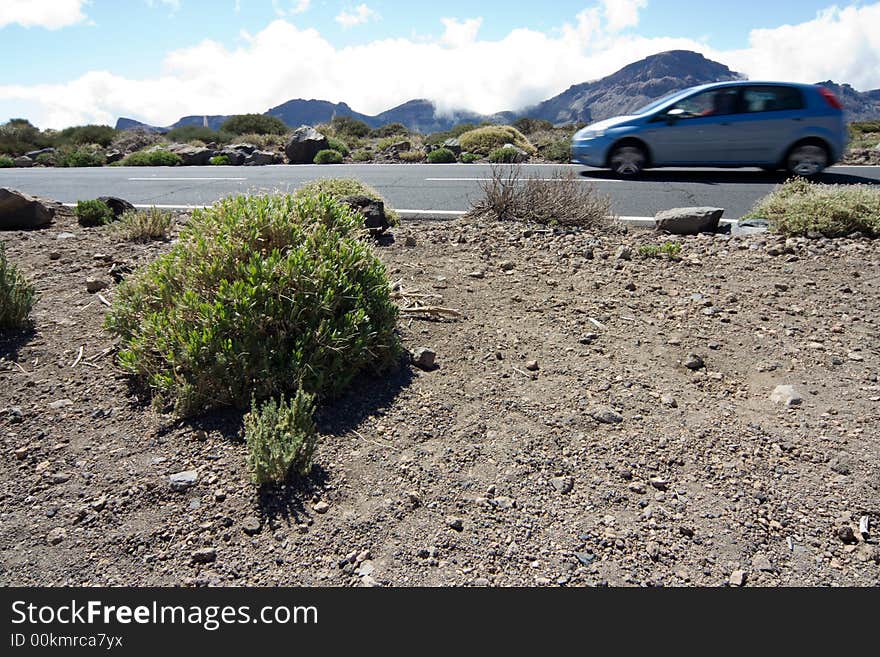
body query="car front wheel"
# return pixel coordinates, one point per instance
(807, 160)
(627, 161)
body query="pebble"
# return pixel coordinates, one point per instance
(786, 394)
(455, 523)
(94, 285)
(737, 578)
(181, 481)
(57, 535)
(204, 555)
(321, 507)
(694, 362)
(606, 415)
(424, 358)
(623, 253)
(562, 484)
(669, 400)
(761, 562)
(61, 403)
(532, 366)
(251, 525)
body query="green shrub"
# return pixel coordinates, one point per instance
(411, 156)
(557, 151)
(346, 126)
(93, 213)
(799, 207)
(6, 162)
(669, 249)
(262, 295)
(468, 158)
(260, 124)
(338, 146)
(506, 155)
(45, 159)
(441, 156)
(81, 135)
(390, 130)
(529, 126)
(18, 136)
(280, 437)
(81, 157)
(338, 188)
(144, 225)
(264, 142)
(219, 160)
(483, 141)
(362, 155)
(16, 294)
(328, 156)
(187, 133)
(156, 158)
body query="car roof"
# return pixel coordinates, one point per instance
(750, 83)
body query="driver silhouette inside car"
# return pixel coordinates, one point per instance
(722, 103)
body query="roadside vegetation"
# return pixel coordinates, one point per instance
(339, 188)
(144, 225)
(93, 213)
(801, 208)
(17, 295)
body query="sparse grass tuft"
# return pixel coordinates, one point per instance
(563, 200)
(362, 155)
(412, 156)
(799, 207)
(281, 436)
(144, 225)
(669, 249)
(16, 294)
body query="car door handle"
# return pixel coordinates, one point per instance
(725, 123)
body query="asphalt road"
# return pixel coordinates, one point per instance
(435, 189)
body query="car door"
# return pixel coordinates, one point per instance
(696, 130)
(769, 122)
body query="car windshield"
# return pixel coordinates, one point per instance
(657, 103)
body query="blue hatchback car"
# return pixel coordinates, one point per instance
(772, 125)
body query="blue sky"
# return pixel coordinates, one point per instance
(77, 60)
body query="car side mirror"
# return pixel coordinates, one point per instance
(674, 114)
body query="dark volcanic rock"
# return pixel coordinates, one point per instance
(18, 211)
(119, 205)
(372, 210)
(304, 144)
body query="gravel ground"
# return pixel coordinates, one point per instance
(595, 417)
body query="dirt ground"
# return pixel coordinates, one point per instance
(640, 447)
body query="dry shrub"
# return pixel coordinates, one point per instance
(562, 200)
(144, 225)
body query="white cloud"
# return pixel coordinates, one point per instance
(360, 14)
(457, 70)
(621, 14)
(460, 33)
(50, 14)
(292, 8)
(173, 5)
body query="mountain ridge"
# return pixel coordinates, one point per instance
(632, 86)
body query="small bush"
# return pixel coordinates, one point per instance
(219, 161)
(557, 151)
(468, 158)
(263, 142)
(346, 126)
(280, 437)
(799, 208)
(668, 249)
(441, 156)
(412, 156)
(483, 141)
(6, 162)
(328, 156)
(506, 155)
(338, 188)
(529, 126)
(563, 200)
(362, 155)
(157, 158)
(260, 124)
(103, 135)
(262, 295)
(187, 133)
(93, 213)
(16, 294)
(81, 157)
(128, 141)
(144, 225)
(338, 146)
(45, 159)
(390, 130)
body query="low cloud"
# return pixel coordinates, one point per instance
(357, 16)
(49, 14)
(456, 70)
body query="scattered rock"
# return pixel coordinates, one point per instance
(668, 400)
(59, 404)
(688, 221)
(321, 507)
(846, 534)
(23, 161)
(181, 481)
(424, 358)
(532, 366)
(563, 484)
(623, 253)
(606, 415)
(761, 562)
(694, 362)
(737, 578)
(204, 555)
(455, 523)
(18, 211)
(119, 205)
(659, 483)
(251, 525)
(94, 285)
(55, 536)
(786, 394)
(304, 144)
(371, 210)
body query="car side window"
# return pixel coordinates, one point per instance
(772, 99)
(715, 102)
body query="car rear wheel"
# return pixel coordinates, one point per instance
(807, 160)
(628, 160)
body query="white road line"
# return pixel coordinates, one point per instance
(597, 180)
(184, 178)
(155, 205)
(453, 213)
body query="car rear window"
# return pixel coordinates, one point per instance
(771, 99)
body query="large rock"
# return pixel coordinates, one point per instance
(373, 212)
(192, 156)
(43, 151)
(119, 205)
(23, 161)
(19, 211)
(261, 158)
(453, 145)
(304, 144)
(688, 221)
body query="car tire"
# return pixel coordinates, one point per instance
(627, 160)
(807, 160)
